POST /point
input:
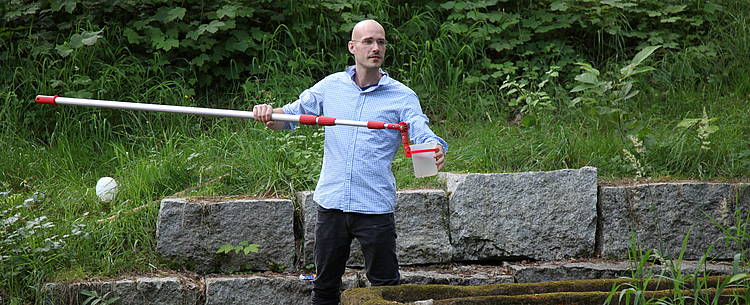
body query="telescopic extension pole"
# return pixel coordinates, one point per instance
(304, 119)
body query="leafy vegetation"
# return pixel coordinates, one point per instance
(512, 86)
(687, 288)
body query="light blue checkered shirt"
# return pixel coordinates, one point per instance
(356, 174)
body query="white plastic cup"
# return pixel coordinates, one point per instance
(423, 159)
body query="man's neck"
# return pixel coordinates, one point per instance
(367, 77)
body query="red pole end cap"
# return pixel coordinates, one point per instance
(46, 99)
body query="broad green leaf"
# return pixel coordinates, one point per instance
(57, 5)
(225, 248)
(559, 6)
(228, 25)
(588, 68)
(711, 129)
(687, 123)
(167, 14)
(505, 44)
(674, 9)
(448, 5)
(132, 36)
(627, 86)
(554, 26)
(643, 54)
(642, 69)
(629, 96)
(212, 27)
(200, 60)
(227, 10)
(154, 34)
(582, 88)
(194, 34)
(64, 50)
(76, 41)
(28, 9)
(575, 101)
(85, 38)
(140, 24)
(245, 12)
(166, 44)
(90, 38)
(618, 3)
(587, 77)
(237, 44)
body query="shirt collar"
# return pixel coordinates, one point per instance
(384, 80)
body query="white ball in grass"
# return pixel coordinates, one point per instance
(106, 189)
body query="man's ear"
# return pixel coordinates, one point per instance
(351, 47)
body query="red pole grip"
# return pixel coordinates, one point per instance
(307, 119)
(326, 121)
(46, 99)
(375, 125)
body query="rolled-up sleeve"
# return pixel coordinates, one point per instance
(419, 130)
(309, 102)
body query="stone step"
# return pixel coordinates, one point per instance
(190, 231)
(275, 288)
(479, 218)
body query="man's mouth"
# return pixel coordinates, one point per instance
(374, 57)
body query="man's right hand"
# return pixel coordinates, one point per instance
(263, 112)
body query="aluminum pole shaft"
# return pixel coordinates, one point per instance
(302, 119)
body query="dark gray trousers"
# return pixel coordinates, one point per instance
(334, 232)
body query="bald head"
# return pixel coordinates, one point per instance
(365, 27)
(368, 45)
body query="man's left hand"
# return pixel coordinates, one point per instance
(439, 157)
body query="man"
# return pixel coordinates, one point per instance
(356, 192)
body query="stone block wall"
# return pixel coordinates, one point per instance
(421, 226)
(536, 215)
(191, 231)
(479, 218)
(660, 215)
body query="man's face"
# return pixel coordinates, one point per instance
(368, 45)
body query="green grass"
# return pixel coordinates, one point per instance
(62, 151)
